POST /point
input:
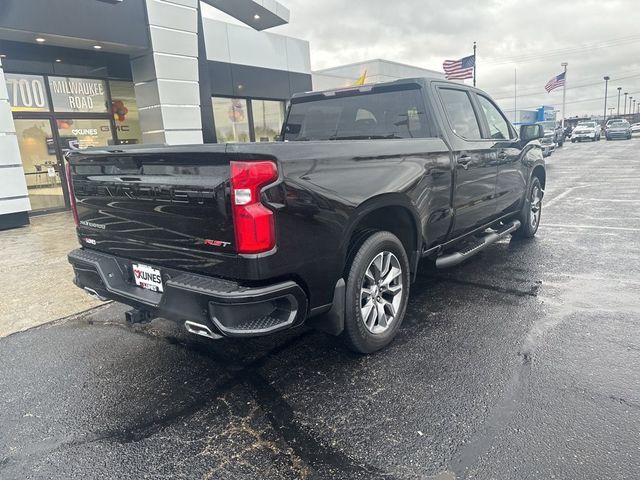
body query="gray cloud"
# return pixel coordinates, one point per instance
(520, 35)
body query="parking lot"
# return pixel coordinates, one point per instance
(522, 363)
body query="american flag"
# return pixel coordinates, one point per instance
(555, 82)
(459, 69)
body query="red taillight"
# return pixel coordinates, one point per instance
(253, 222)
(72, 197)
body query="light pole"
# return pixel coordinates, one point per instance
(564, 92)
(611, 109)
(606, 84)
(619, 90)
(625, 102)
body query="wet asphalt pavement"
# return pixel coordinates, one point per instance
(522, 363)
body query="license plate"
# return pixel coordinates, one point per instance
(147, 277)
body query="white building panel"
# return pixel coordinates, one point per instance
(13, 182)
(244, 46)
(9, 151)
(14, 205)
(298, 58)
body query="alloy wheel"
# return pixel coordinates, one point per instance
(381, 292)
(536, 206)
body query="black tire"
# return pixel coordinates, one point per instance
(573, 140)
(528, 227)
(358, 336)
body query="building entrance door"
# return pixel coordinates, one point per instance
(42, 165)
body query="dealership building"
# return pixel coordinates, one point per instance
(90, 73)
(370, 71)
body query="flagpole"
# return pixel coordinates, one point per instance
(475, 62)
(564, 92)
(515, 95)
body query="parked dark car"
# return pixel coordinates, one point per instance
(567, 131)
(327, 226)
(619, 130)
(556, 131)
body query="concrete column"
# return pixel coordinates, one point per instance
(14, 198)
(166, 77)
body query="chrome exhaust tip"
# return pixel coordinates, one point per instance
(199, 329)
(92, 293)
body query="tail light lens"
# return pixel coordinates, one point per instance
(72, 196)
(253, 222)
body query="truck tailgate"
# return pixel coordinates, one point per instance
(167, 209)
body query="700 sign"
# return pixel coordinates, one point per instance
(25, 93)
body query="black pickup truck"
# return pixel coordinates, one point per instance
(326, 226)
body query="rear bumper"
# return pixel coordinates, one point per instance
(224, 307)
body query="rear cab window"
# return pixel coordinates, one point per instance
(398, 113)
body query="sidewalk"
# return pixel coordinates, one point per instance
(35, 278)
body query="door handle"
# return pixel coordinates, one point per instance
(464, 161)
(502, 155)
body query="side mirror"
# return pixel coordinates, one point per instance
(531, 132)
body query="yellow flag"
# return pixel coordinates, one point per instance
(361, 79)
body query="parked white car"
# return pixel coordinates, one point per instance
(586, 131)
(635, 128)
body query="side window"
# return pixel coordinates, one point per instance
(460, 113)
(363, 114)
(498, 125)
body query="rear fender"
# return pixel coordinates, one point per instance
(379, 202)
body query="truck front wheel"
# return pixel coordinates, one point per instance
(531, 211)
(377, 293)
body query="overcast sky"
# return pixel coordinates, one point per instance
(596, 38)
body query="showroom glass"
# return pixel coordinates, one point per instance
(27, 93)
(462, 118)
(267, 119)
(40, 163)
(125, 112)
(231, 119)
(395, 114)
(498, 125)
(81, 95)
(77, 133)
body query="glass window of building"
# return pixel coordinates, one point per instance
(231, 119)
(27, 93)
(84, 95)
(77, 133)
(125, 112)
(40, 163)
(267, 119)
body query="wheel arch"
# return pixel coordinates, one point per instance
(541, 174)
(391, 212)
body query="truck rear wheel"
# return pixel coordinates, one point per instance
(377, 293)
